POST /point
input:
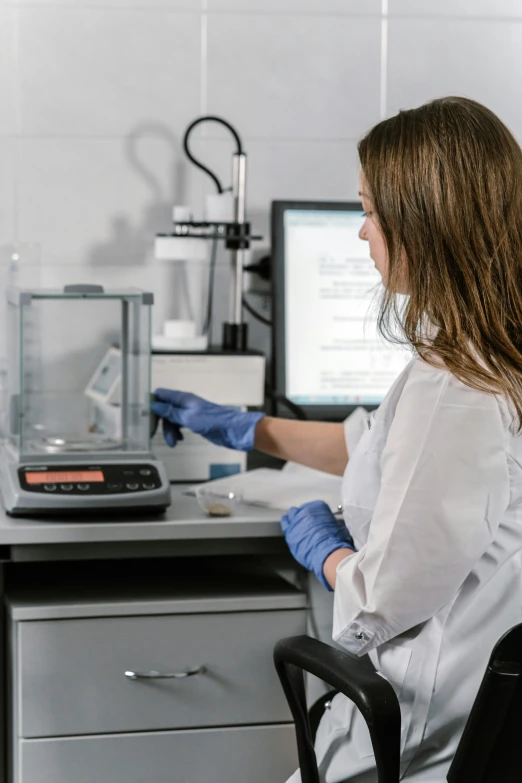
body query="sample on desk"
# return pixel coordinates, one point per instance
(279, 489)
(217, 502)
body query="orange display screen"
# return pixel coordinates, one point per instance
(65, 477)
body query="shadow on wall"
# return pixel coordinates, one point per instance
(129, 244)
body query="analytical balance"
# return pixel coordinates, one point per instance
(59, 454)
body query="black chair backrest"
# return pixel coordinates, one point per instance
(371, 693)
(490, 750)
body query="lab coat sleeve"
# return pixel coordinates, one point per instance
(444, 489)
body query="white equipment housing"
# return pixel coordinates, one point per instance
(233, 379)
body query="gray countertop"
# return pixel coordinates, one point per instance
(184, 520)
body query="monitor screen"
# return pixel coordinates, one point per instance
(329, 352)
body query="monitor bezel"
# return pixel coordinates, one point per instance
(277, 229)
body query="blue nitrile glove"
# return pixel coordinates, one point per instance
(312, 533)
(228, 427)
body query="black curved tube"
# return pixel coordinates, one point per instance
(190, 156)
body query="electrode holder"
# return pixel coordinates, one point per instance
(236, 236)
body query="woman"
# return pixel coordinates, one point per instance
(432, 491)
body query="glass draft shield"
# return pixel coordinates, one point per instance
(71, 393)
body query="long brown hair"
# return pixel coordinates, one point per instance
(445, 182)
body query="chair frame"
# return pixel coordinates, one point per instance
(484, 736)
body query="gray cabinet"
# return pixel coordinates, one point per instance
(71, 673)
(260, 754)
(79, 714)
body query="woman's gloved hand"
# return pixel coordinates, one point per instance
(312, 533)
(223, 426)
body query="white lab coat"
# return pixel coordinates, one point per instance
(433, 498)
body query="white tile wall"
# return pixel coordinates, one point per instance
(177, 5)
(94, 72)
(467, 8)
(8, 73)
(7, 189)
(296, 74)
(481, 60)
(100, 201)
(362, 7)
(95, 96)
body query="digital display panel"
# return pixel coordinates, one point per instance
(108, 375)
(65, 477)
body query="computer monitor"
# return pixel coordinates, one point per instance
(328, 355)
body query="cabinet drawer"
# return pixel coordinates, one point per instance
(70, 674)
(260, 754)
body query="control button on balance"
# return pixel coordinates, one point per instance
(84, 487)
(133, 486)
(145, 472)
(66, 487)
(149, 486)
(50, 487)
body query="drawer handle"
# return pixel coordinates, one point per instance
(166, 675)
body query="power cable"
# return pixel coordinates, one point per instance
(286, 403)
(261, 318)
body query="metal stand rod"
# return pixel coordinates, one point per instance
(237, 256)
